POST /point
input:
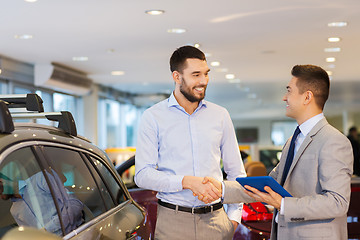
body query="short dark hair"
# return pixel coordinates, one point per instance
(315, 79)
(353, 129)
(179, 56)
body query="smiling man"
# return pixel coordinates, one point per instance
(315, 167)
(180, 141)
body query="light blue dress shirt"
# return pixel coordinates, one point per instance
(172, 144)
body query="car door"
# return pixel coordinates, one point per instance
(108, 211)
(26, 197)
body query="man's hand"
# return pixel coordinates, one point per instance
(236, 224)
(271, 197)
(215, 183)
(206, 192)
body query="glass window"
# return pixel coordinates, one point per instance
(26, 198)
(21, 90)
(81, 180)
(281, 131)
(116, 191)
(3, 88)
(48, 106)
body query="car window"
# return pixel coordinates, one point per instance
(116, 191)
(26, 198)
(81, 180)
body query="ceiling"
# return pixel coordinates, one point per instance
(257, 41)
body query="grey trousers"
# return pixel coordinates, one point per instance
(182, 225)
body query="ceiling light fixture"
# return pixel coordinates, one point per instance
(117, 73)
(23, 36)
(335, 49)
(229, 76)
(80, 59)
(0, 70)
(176, 30)
(208, 55)
(329, 73)
(197, 45)
(337, 24)
(333, 39)
(30, 1)
(154, 12)
(330, 59)
(215, 64)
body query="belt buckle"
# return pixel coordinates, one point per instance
(192, 211)
(212, 208)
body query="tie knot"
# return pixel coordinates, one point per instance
(297, 131)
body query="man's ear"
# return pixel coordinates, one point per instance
(176, 76)
(309, 96)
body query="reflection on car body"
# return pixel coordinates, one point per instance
(54, 180)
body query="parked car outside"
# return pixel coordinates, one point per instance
(256, 217)
(54, 180)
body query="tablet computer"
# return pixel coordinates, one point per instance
(260, 182)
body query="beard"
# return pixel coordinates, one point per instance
(188, 94)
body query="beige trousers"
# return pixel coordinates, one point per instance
(182, 225)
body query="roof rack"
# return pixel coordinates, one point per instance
(32, 103)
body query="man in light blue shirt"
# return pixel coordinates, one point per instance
(181, 140)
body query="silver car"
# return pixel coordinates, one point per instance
(55, 184)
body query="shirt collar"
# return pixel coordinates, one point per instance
(172, 102)
(306, 127)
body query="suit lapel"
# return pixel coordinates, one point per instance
(305, 144)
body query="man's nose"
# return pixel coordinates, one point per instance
(204, 80)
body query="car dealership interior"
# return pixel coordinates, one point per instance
(106, 62)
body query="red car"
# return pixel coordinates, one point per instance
(256, 217)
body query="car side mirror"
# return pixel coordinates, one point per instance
(30, 234)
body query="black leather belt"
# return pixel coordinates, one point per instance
(197, 210)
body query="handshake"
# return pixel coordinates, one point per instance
(207, 189)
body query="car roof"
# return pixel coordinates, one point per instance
(25, 132)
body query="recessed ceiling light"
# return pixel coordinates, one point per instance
(176, 30)
(335, 49)
(208, 55)
(229, 76)
(197, 45)
(23, 36)
(337, 24)
(330, 59)
(154, 12)
(80, 59)
(215, 64)
(0, 71)
(329, 73)
(30, 1)
(117, 73)
(333, 39)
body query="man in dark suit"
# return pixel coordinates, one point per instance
(318, 176)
